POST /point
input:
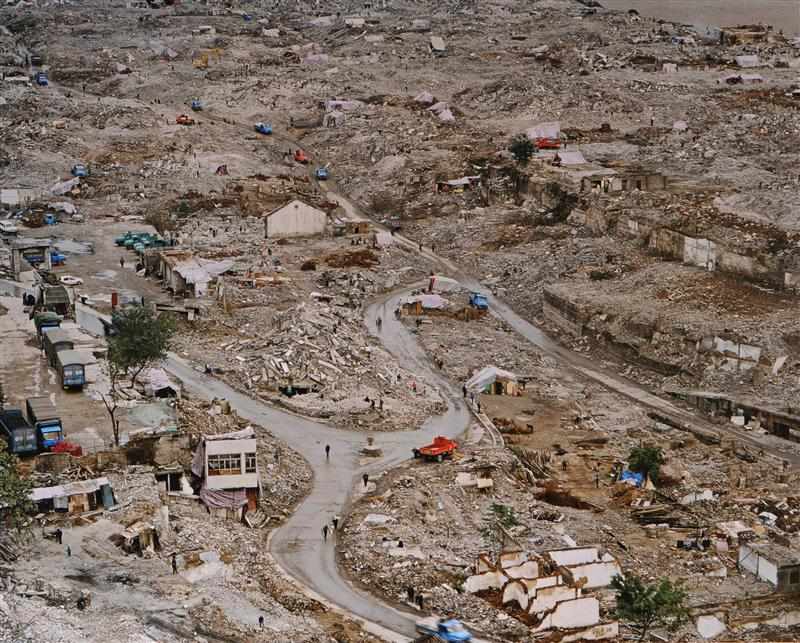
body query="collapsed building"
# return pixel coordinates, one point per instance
(551, 588)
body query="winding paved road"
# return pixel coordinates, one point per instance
(298, 545)
(583, 366)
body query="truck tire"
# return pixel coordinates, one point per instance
(439, 458)
(416, 453)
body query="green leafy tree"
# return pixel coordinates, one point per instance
(521, 148)
(141, 339)
(14, 493)
(646, 460)
(660, 604)
(497, 521)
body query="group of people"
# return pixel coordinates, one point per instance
(330, 528)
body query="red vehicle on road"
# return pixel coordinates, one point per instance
(438, 450)
(301, 157)
(548, 143)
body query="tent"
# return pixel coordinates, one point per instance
(494, 381)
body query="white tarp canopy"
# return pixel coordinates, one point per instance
(444, 284)
(63, 206)
(155, 380)
(65, 186)
(428, 301)
(544, 130)
(384, 239)
(748, 62)
(201, 272)
(571, 158)
(425, 98)
(487, 376)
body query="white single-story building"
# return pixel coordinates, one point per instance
(295, 219)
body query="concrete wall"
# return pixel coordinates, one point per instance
(512, 558)
(752, 561)
(582, 612)
(547, 598)
(516, 591)
(596, 574)
(737, 355)
(484, 581)
(528, 569)
(296, 219)
(574, 556)
(483, 564)
(709, 255)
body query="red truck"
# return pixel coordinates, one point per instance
(544, 143)
(438, 450)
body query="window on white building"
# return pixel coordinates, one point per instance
(249, 462)
(225, 464)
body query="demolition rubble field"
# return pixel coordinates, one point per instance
(424, 524)
(655, 230)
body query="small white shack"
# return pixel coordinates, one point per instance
(295, 219)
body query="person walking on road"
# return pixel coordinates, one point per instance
(327, 451)
(335, 521)
(379, 323)
(174, 564)
(325, 532)
(365, 478)
(122, 262)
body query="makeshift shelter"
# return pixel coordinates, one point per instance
(494, 381)
(569, 158)
(423, 304)
(439, 283)
(157, 383)
(74, 497)
(550, 130)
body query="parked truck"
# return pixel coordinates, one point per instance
(71, 368)
(44, 417)
(18, 434)
(41, 78)
(438, 450)
(46, 319)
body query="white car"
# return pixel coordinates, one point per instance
(6, 227)
(69, 280)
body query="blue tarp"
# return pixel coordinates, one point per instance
(636, 478)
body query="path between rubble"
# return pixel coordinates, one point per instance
(569, 358)
(298, 546)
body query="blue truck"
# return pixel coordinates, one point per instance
(479, 301)
(264, 128)
(41, 78)
(80, 170)
(18, 434)
(43, 416)
(450, 630)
